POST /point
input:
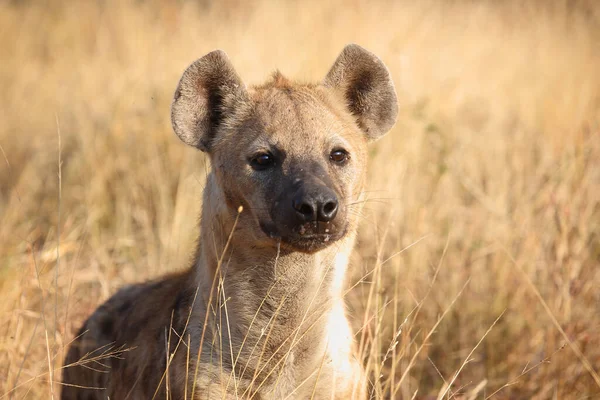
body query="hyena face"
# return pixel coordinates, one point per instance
(293, 155)
(295, 164)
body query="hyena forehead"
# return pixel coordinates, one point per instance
(293, 117)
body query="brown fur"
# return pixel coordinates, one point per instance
(275, 323)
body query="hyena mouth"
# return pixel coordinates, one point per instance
(317, 229)
(307, 237)
(310, 243)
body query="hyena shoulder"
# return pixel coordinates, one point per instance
(132, 324)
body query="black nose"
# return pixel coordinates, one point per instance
(320, 205)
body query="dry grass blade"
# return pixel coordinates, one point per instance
(181, 336)
(210, 298)
(525, 372)
(431, 331)
(582, 358)
(468, 358)
(497, 143)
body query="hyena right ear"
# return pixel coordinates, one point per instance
(207, 93)
(366, 85)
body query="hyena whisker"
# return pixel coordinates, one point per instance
(381, 200)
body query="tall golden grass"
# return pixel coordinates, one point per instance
(477, 271)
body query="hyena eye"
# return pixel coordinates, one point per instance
(339, 156)
(262, 161)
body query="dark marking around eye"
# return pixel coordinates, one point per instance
(262, 161)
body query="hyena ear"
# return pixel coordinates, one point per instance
(207, 94)
(366, 85)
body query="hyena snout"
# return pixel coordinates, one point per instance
(309, 214)
(315, 203)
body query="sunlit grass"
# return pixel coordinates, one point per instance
(483, 201)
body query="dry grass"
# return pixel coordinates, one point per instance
(489, 182)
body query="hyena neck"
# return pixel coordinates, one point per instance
(224, 249)
(268, 291)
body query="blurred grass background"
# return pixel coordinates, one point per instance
(490, 179)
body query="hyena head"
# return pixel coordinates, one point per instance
(293, 155)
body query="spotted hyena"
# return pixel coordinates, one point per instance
(260, 312)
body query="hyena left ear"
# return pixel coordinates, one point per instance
(207, 95)
(366, 85)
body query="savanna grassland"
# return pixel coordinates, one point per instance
(477, 271)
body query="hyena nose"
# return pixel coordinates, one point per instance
(321, 206)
